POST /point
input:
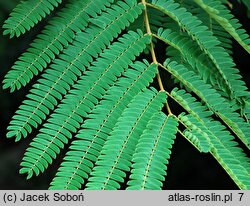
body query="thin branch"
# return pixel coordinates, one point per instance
(153, 51)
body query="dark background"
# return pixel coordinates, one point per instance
(188, 169)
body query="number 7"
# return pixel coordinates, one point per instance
(241, 195)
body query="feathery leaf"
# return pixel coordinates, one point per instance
(117, 151)
(222, 15)
(152, 153)
(212, 98)
(27, 14)
(54, 38)
(66, 70)
(67, 118)
(207, 43)
(86, 148)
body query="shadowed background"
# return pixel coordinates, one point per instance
(188, 169)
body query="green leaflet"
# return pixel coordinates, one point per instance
(156, 17)
(204, 66)
(229, 156)
(117, 151)
(218, 31)
(90, 139)
(152, 153)
(212, 98)
(189, 52)
(27, 14)
(70, 65)
(224, 148)
(190, 104)
(156, 21)
(54, 38)
(67, 118)
(222, 15)
(199, 138)
(207, 43)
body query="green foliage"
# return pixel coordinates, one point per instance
(27, 14)
(222, 15)
(97, 93)
(152, 153)
(57, 35)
